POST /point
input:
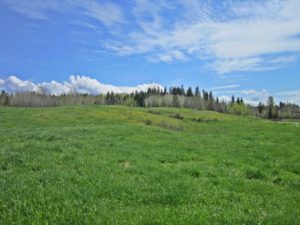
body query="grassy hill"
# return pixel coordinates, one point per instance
(119, 165)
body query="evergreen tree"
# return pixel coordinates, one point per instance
(205, 95)
(139, 98)
(107, 98)
(181, 90)
(210, 101)
(211, 97)
(4, 99)
(165, 91)
(260, 108)
(232, 100)
(197, 92)
(271, 108)
(189, 92)
(281, 105)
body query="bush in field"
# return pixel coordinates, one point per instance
(240, 109)
(148, 122)
(177, 116)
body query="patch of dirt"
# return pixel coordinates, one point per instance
(125, 164)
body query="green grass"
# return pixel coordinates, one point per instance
(119, 165)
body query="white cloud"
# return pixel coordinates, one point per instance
(169, 57)
(107, 12)
(84, 84)
(225, 87)
(253, 92)
(238, 35)
(253, 97)
(289, 96)
(14, 84)
(224, 98)
(231, 36)
(284, 59)
(76, 84)
(227, 65)
(54, 88)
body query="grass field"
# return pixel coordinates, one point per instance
(119, 165)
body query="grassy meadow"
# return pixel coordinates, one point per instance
(121, 165)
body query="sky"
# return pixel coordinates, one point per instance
(247, 48)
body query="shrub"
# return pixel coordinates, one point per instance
(154, 112)
(254, 174)
(177, 116)
(163, 124)
(148, 122)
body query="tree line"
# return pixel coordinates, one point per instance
(156, 97)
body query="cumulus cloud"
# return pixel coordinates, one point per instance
(54, 88)
(14, 84)
(224, 98)
(75, 84)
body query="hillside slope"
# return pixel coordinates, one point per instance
(119, 165)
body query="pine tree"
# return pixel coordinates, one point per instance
(205, 95)
(242, 101)
(3, 98)
(260, 108)
(232, 100)
(197, 92)
(181, 90)
(165, 91)
(211, 97)
(189, 92)
(107, 98)
(271, 108)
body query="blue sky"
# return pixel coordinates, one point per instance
(246, 48)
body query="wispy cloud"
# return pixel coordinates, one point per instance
(225, 87)
(169, 57)
(230, 36)
(237, 36)
(107, 12)
(35, 9)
